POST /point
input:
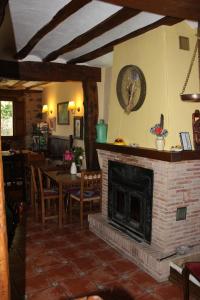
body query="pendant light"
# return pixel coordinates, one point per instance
(194, 97)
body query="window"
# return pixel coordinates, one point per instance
(6, 118)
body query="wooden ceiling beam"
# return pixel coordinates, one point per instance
(116, 19)
(19, 83)
(184, 9)
(3, 5)
(169, 21)
(14, 93)
(61, 15)
(35, 85)
(44, 71)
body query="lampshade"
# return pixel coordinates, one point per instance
(71, 105)
(44, 108)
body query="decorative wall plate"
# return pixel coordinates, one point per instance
(131, 88)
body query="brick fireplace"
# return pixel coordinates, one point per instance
(175, 211)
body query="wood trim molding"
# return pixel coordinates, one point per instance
(90, 120)
(61, 15)
(151, 153)
(16, 93)
(184, 9)
(4, 266)
(116, 19)
(44, 71)
(168, 21)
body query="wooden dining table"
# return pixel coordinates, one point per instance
(64, 180)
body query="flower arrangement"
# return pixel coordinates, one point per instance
(158, 129)
(75, 154)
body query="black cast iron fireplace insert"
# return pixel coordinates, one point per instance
(130, 196)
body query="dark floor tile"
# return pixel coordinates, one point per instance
(107, 255)
(85, 264)
(52, 293)
(102, 275)
(78, 286)
(172, 291)
(123, 265)
(37, 283)
(143, 279)
(62, 263)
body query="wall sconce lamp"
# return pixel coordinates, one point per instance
(45, 109)
(72, 107)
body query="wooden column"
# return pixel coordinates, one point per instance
(91, 112)
(4, 269)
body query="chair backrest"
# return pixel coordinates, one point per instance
(91, 180)
(41, 188)
(33, 156)
(14, 168)
(33, 174)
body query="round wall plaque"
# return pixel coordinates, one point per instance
(131, 88)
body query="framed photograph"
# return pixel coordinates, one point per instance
(63, 113)
(78, 128)
(185, 140)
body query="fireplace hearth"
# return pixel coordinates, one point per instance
(130, 194)
(175, 180)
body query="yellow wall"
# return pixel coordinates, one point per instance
(164, 66)
(178, 61)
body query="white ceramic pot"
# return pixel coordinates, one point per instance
(160, 143)
(73, 169)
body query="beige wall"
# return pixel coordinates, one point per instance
(55, 93)
(60, 92)
(165, 66)
(104, 89)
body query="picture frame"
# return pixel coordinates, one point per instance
(78, 128)
(185, 140)
(62, 113)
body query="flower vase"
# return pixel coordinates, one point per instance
(160, 143)
(73, 169)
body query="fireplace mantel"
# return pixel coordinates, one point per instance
(170, 156)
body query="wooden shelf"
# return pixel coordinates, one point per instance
(170, 156)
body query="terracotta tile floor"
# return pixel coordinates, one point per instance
(58, 264)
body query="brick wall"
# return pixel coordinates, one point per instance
(33, 109)
(176, 185)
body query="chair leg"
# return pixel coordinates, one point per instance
(43, 210)
(70, 209)
(186, 283)
(81, 213)
(36, 210)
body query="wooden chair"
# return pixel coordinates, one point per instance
(47, 195)
(193, 269)
(32, 157)
(14, 176)
(90, 191)
(34, 192)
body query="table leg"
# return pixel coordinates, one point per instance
(60, 206)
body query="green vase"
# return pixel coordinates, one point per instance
(101, 129)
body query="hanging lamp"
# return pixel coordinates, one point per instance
(194, 97)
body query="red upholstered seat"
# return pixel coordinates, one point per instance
(194, 268)
(191, 268)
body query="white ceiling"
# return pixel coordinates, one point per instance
(24, 18)
(29, 16)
